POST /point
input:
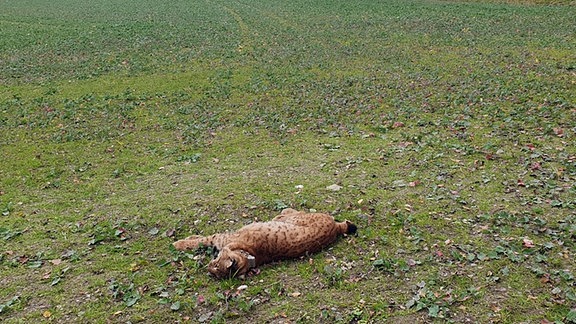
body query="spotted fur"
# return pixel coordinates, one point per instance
(289, 235)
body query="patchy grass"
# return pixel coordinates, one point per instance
(449, 126)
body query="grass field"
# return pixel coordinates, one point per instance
(450, 127)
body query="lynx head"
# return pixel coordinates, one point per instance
(230, 263)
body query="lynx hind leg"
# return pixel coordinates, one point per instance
(287, 211)
(289, 215)
(284, 214)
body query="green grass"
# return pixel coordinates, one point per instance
(449, 125)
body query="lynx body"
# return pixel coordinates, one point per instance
(289, 235)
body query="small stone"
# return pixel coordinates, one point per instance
(242, 287)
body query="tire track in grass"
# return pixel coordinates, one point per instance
(245, 45)
(267, 18)
(297, 38)
(270, 15)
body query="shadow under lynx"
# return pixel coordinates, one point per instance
(289, 235)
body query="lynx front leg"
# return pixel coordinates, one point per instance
(189, 243)
(193, 242)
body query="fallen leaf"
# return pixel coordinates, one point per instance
(295, 294)
(47, 314)
(35, 264)
(398, 124)
(404, 144)
(559, 132)
(56, 281)
(204, 317)
(170, 232)
(527, 243)
(334, 187)
(175, 306)
(56, 261)
(68, 254)
(200, 299)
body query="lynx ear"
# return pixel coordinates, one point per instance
(251, 261)
(230, 263)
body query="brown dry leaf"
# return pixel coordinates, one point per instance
(56, 261)
(170, 232)
(527, 243)
(200, 299)
(295, 294)
(559, 132)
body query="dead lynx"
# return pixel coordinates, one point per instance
(289, 235)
